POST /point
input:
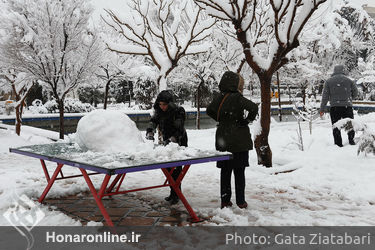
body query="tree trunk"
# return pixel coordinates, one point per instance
(304, 97)
(279, 96)
(199, 106)
(262, 147)
(106, 94)
(61, 111)
(18, 119)
(162, 83)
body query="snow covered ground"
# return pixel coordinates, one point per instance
(330, 186)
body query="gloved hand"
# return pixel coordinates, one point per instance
(150, 136)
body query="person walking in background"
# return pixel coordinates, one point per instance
(339, 90)
(233, 135)
(169, 119)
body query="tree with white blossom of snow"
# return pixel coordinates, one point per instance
(367, 79)
(54, 43)
(164, 30)
(20, 85)
(268, 30)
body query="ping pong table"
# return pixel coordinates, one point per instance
(116, 165)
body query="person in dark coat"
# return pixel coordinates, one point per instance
(339, 90)
(169, 118)
(233, 112)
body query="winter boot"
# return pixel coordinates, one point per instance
(244, 205)
(226, 204)
(172, 198)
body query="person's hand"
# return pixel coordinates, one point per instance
(150, 136)
(321, 113)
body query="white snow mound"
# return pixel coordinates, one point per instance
(107, 131)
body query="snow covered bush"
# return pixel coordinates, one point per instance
(366, 141)
(52, 106)
(70, 106)
(372, 95)
(37, 107)
(76, 106)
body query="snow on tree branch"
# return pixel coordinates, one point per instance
(165, 30)
(268, 29)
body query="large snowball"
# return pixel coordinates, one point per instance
(107, 130)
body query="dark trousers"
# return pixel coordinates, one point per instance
(175, 174)
(338, 113)
(225, 185)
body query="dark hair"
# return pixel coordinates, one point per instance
(164, 96)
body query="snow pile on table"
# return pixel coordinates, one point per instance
(107, 130)
(143, 154)
(148, 154)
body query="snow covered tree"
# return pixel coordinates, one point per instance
(199, 77)
(53, 43)
(367, 79)
(302, 73)
(108, 73)
(21, 86)
(91, 93)
(342, 37)
(268, 30)
(164, 30)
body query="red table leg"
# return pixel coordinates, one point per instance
(50, 182)
(98, 196)
(114, 182)
(175, 185)
(45, 170)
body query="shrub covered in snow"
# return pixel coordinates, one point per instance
(37, 107)
(76, 106)
(52, 106)
(366, 141)
(372, 95)
(70, 106)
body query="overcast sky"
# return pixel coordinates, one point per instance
(111, 3)
(117, 4)
(369, 2)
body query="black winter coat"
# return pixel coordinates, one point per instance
(233, 133)
(170, 122)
